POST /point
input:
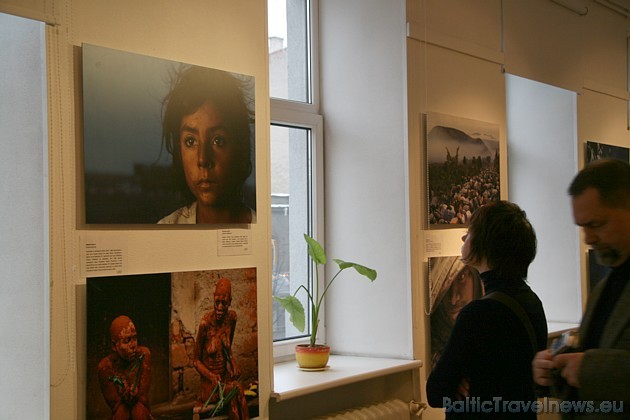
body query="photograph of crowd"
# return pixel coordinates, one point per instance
(463, 167)
(596, 151)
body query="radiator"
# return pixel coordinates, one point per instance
(389, 410)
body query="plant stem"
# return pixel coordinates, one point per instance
(315, 304)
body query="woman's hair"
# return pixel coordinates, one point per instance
(193, 86)
(610, 177)
(501, 233)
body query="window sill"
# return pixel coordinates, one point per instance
(557, 328)
(290, 381)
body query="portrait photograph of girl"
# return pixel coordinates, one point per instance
(166, 142)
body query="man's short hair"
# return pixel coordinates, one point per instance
(610, 177)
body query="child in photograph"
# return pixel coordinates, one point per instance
(125, 374)
(207, 129)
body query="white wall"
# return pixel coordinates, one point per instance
(225, 34)
(458, 52)
(363, 102)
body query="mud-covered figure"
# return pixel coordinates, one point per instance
(125, 374)
(214, 360)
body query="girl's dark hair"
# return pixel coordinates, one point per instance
(193, 86)
(501, 233)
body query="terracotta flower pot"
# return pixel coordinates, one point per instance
(314, 358)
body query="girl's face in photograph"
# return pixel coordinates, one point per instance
(209, 157)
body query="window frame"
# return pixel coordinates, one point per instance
(284, 114)
(312, 66)
(307, 115)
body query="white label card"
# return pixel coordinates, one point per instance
(103, 256)
(234, 242)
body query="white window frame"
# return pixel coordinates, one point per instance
(284, 113)
(307, 115)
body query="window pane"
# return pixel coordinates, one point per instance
(289, 52)
(291, 198)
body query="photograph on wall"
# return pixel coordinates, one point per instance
(452, 285)
(463, 167)
(173, 345)
(166, 142)
(596, 151)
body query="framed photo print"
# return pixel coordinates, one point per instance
(452, 285)
(166, 142)
(596, 151)
(463, 167)
(172, 345)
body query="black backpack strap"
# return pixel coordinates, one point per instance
(516, 307)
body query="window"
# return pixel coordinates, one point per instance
(294, 200)
(296, 155)
(291, 69)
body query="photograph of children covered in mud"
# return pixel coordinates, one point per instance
(170, 346)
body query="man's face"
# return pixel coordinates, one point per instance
(209, 154)
(221, 304)
(127, 343)
(606, 230)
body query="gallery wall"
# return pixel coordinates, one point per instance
(226, 35)
(458, 52)
(363, 93)
(457, 72)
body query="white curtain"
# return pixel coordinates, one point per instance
(24, 260)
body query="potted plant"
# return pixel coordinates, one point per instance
(315, 356)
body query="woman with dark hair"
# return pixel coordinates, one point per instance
(206, 127)
(485, 368)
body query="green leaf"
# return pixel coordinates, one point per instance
(361, 269)
(295, 309)
(315, 250)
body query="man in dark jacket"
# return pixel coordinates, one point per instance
(596, 377)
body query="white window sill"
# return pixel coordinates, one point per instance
(554, 329)
(290, 381)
